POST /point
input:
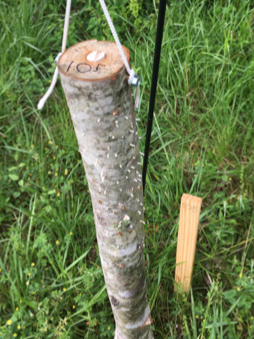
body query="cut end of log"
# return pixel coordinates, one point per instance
(92, 60)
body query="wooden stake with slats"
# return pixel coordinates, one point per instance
(186, 243)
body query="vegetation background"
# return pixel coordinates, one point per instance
(51, 282)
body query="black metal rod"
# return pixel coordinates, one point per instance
(156, 64)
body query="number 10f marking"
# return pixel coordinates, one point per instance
(84, 67)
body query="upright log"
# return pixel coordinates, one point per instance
(101, 104)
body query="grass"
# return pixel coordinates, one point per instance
(51, 282)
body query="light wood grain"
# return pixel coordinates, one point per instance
(186, 243)
(74, 61)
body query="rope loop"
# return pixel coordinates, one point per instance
(57, 57)
(134, 80)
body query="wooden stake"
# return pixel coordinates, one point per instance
(186, 243)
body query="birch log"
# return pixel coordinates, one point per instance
(101, 104)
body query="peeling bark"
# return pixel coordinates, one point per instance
(104, 120)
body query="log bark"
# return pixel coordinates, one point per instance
(102, 111)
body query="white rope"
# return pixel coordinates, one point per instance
(64, 41)
(113, 31)
(133, 78)
(49, 91)
(66, 24)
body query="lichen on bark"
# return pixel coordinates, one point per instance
(104, 120)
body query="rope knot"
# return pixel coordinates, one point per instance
(57, 57)
(134, 79)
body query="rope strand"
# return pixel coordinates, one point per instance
(66, 24)
(133, 78)
(113, 31)
(64, 42)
